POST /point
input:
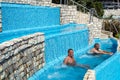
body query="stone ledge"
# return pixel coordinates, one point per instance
(0, 29)
(90, 75)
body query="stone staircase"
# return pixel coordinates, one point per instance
(106, 34)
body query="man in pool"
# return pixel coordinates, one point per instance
(96, 50)
(69, 60)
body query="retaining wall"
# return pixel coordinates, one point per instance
(110, 12)
(21, 57)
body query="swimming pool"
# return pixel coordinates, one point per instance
(58, 39)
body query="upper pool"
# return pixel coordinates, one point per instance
(22, 19)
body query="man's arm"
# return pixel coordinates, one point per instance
(106, 52)
(65, 61)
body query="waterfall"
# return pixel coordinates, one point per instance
(57, 45)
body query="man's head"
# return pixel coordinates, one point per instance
(70, 52)
(97, 46)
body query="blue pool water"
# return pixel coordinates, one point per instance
(62, 72)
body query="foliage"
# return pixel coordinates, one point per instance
(117, 35)
(93, 4)
(99, 8)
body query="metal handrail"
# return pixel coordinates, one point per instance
(92, 11)
(80, 5)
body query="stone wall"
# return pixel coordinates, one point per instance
(32, 2)
(110, 12)
(21, 57)
(82, 17)
(68, 14)
(95, 30)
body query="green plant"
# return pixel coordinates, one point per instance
(117, 35)
(99, 8)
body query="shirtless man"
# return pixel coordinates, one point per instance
(69, 60)
(96, 50)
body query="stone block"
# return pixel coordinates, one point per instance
(2, 75)
(4, 66)
(11, 77)
(10, 68)
(1, 68)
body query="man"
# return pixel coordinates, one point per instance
(96, 50)
(69, 60)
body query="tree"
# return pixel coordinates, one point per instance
(93, 4)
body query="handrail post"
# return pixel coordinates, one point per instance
(91, 16)
(60, 1)
(67, 2)
(64, 1)
(73, 3)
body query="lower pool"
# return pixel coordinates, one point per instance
(58, 71)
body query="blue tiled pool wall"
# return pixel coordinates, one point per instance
(17, 16)
(109, 69)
